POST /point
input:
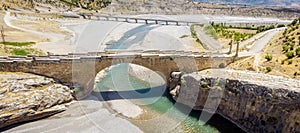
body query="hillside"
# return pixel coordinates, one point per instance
(57, 5)
(284, 51)
(280, 57)
(266, 3)
(189, 7)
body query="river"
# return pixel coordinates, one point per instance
(160, 112)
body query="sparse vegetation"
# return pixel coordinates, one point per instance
(17, 43)
(212, 31)
(290, 62)
(289, 55)
(19, 52)
(298, 51)
(268, 57)
(229, 32)
(281, 56)
(269, 69)
(289, 39)
(280, 25)
(194, 34)
(184, 36)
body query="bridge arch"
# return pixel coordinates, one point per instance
(84, 73)
(129, 81)
(81, 69)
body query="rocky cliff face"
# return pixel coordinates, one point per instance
(257, 102)
(25, 97)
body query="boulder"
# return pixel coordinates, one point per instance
(25, 97)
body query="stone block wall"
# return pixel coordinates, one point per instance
(270, 106)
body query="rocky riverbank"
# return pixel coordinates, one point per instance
(25, 97)
(256, 102)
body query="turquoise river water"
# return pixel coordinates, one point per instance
(162, 113)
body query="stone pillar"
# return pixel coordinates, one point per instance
(230, 48)
(237, 49)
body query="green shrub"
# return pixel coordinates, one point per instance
(290, 55)
(294, 22)
(193, 32)
(280, 25)
(298, 51)
(19, 52)
(269, 69)
(285, 48)
(268, 57)
(290, 62)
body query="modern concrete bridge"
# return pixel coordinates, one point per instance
(81, 69)
(138, 20)
(177, 23)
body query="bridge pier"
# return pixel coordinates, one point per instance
(136, 21)
(167, 23)
(146, 21)
(156, 22)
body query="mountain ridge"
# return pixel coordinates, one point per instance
(264, 3)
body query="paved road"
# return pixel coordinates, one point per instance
(252, 39)
(259, 45)
(259, 42)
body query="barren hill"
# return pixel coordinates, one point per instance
(266, 3)
(189, 7)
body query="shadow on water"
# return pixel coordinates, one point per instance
(217, 121)
(222, 124)
(132, 94)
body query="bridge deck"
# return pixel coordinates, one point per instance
(108, 54)
(138, 20)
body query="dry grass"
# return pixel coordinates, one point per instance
(244, 64)
(14, 35)
(279, 64)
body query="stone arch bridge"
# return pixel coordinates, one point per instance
(81, 69)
